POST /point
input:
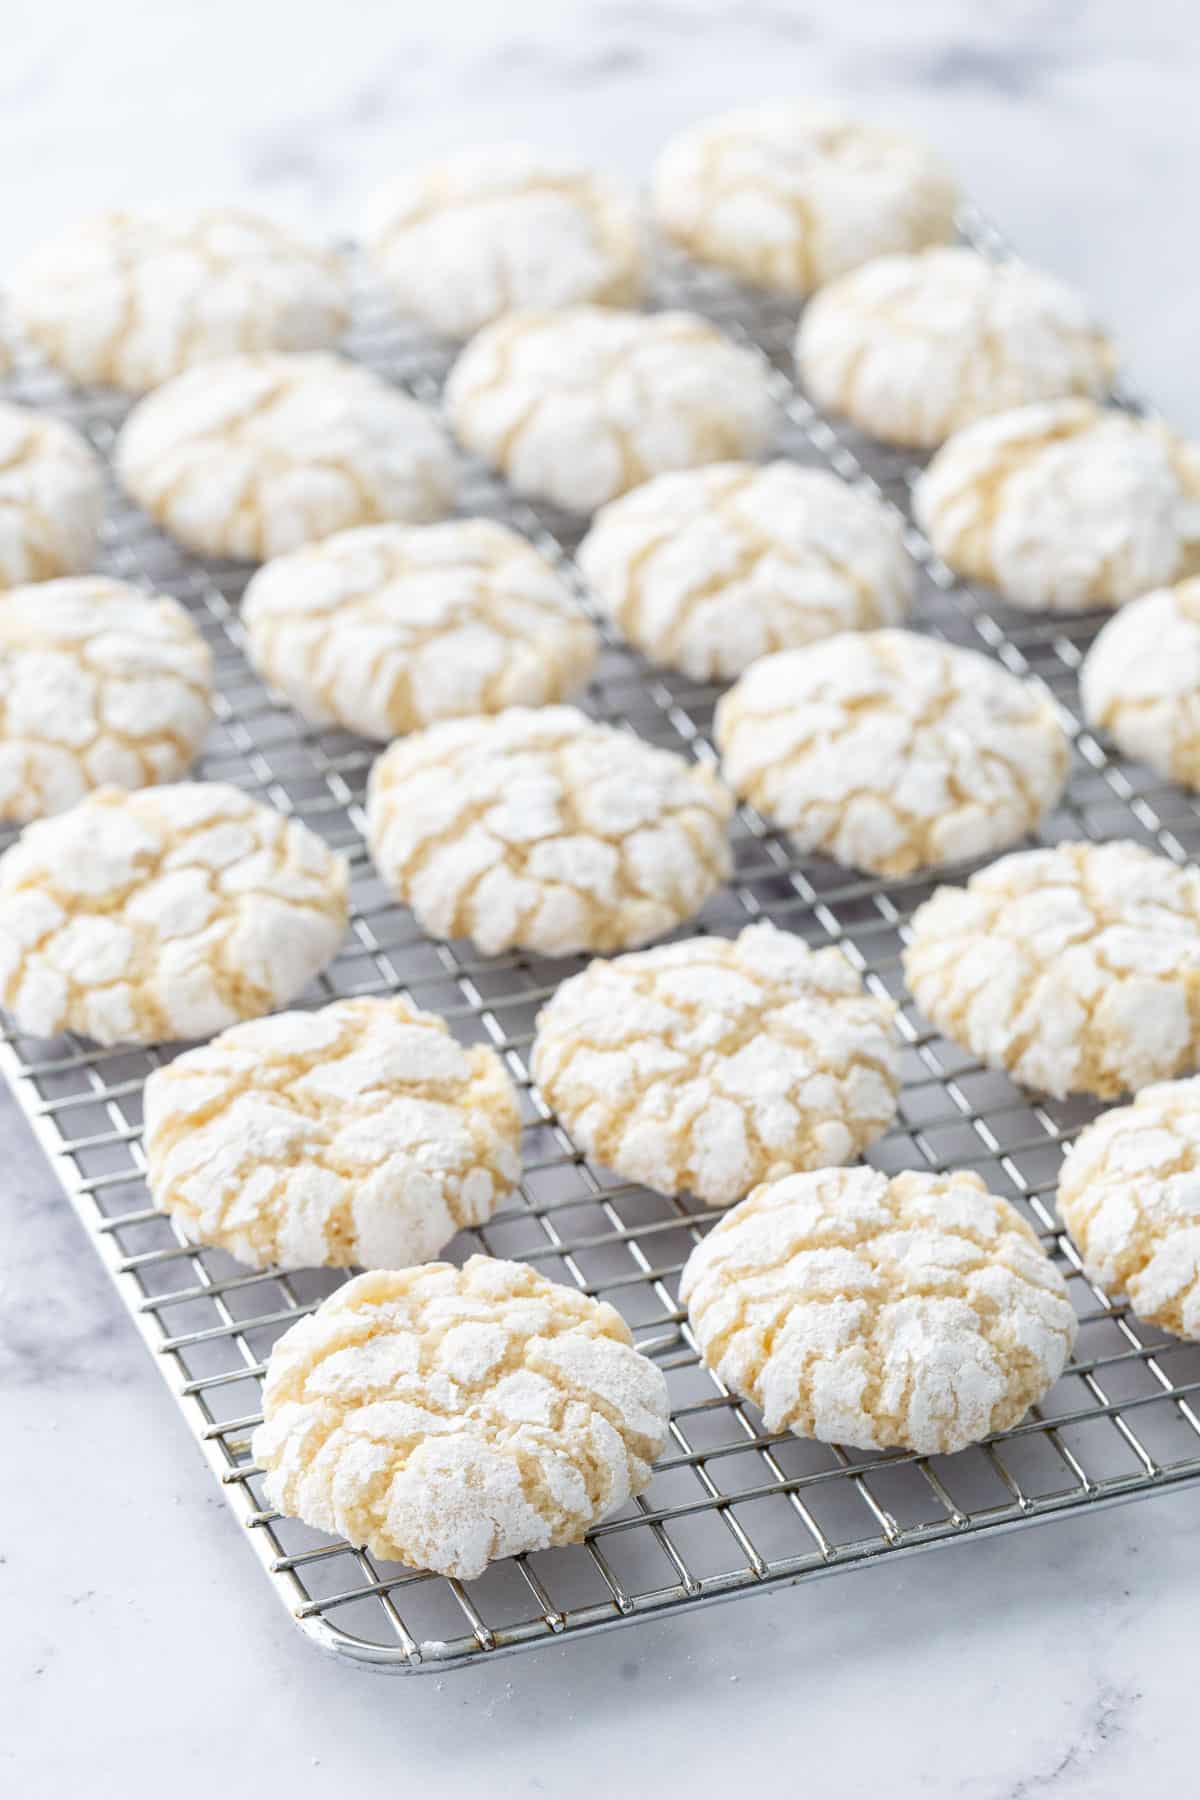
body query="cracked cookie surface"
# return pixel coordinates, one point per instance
(447, 1417)
(51, 498)
(1140, 681)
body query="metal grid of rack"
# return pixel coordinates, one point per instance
(732, 1509)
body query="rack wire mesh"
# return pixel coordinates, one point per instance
(732, 1509)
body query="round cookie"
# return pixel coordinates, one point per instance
(251, 456)
(712, 1065)
(1140, 681)
(792, 196)
(446, 1417)
(918, 1313)
(1064, 507)
(545, 831)
(391, 627)
(51, 498)
(1077, 969)
(362, 1133)
(578, 406)
(1129, 1194)
(130, 299)
(912, 348)
(892, 752)
(100, 684)
(708, 569)
(499, 227)
(167, 913)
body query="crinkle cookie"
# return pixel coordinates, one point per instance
(100, 684)
(1065, 507)
(580, 405)
(131, 299)
(1077, 969)
(1140, 681)
(712, 1065)
(1129, 1194)
(919, 1313)
(362, 1133)
(250, 456)
(790, 196)
(167, 913)
(498, 227)
(708, 569)
(892, 752)
(391, 627)
(447, 1417)
(51, 498)
(912, 348)
(546, 831)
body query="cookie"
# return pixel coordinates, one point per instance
(1140, 681)
(892, 752)
(167, 913)
(358, 1134)
(545, 831)
(100, 684)
(446, 1417)
(577, 406)
(708, 569)
(251, 456)
(1077, 969)
(712, 1065)
(918, 1313)
(791, 196)
(129, 299)
(1129, 1194)
(912, 348)
(391, 627)
(499, 227)
(51, 498)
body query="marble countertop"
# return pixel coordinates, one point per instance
(143, 1652)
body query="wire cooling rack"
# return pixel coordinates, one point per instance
(732, 1508)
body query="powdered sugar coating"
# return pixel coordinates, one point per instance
(167, 913)
(1076, 968)
(892, 752)
(912, 348)
(1065, 507)
(545, 831)
(790, 196)
(712, 1065)
(707, 569)
(498, 227)
(1140, 681)
(580, 405)
(1129, 1194)
(51, 498)
(362, 1133)
(130, 299)
(447, 1417)
(917, 1313)
(251, 456)
(391, 627)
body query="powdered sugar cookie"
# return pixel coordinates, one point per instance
(1129, 1194)
(546, 831)
(392, 627)
(51, 498)
(250, 456)
(892, 752)
(911, 348)
(708, 569)
(791, 196)
(919, 1313)
(99, 684)
(498, 227)
(1140, 681)
(577, 406)
(447, 1417)
(712, 1065)
(358, 1134)
(167, 913)
(1077, 969)
(131, 299)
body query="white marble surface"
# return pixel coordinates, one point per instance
(142, 1652)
